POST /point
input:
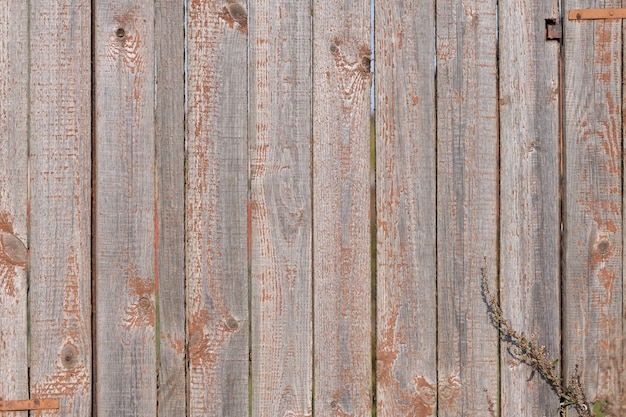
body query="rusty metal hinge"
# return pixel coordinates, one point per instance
(23, 405)
(592, 14)
(554, 29)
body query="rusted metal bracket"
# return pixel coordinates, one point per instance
(593, 14)
(23, 405)
(554, 29)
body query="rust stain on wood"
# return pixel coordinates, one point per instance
(419, 399)
(141, 311)
(234, 13)
(206, 339)
(13, 253)
(12, 249)
(449, 389)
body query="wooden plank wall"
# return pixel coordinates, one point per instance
(406, 206)
(593, 303)
(60, 204)
(13, 201)
(341, 204)
(185, 206)
(216, 196)
(124, 233)
(170, 177)
(529, 196)
(281, 214)
(467, 205)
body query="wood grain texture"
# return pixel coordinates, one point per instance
(124, 212)
(529, 197)
(13, 201)
(467, 191)
(60, 190)
(406, 208)
(280, 136)
(170, 154)
(341, 203)
(593, 275)
(216, 209)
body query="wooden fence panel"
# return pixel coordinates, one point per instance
(124, 212)
(13, 200)
(593, 276)
(60, 201)
(341, 203)
(280, 135)
(170, 159)
(529, 197)
(406, 208)
(216, 208)
(467, 189)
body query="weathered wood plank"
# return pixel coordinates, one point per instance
(124, 209)
(280, 103)
(406, 208)
(341, 203)
(467, 189)
(170, 154)
(593, 275)
(60, 201)
(216, 206)
(13, 200)
(529, 196)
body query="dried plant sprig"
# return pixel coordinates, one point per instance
(528, 351)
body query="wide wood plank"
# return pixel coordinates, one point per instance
(406, 207)
(216, 207)
(170, 154)
(529, 195)
(124, 212)
(341, 204)
(593, 275)
(280, 136)
(13, 201)
(467, 190)
(60, 201)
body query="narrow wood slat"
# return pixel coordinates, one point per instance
(529, 195)
(13, 200)
(467, 189)
(60, 190)
(593, 275)
(406, 209)
(216, 206)
(23, 405)
(586, 14)
(280, 104)
(341, 203)
(124, 212)
(170, 154)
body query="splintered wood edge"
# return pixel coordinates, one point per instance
(23, 405)
(590, 14)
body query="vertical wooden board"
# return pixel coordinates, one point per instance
(593, 299)
(13, 200)
(60, 201)
(216, 209)
(406, 208)
(280, 135)
(341, 203)
(529, 195)
(124, 212)
(170, 154)
(467, 192)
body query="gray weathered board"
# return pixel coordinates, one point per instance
(529, 197)
(187, 191)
